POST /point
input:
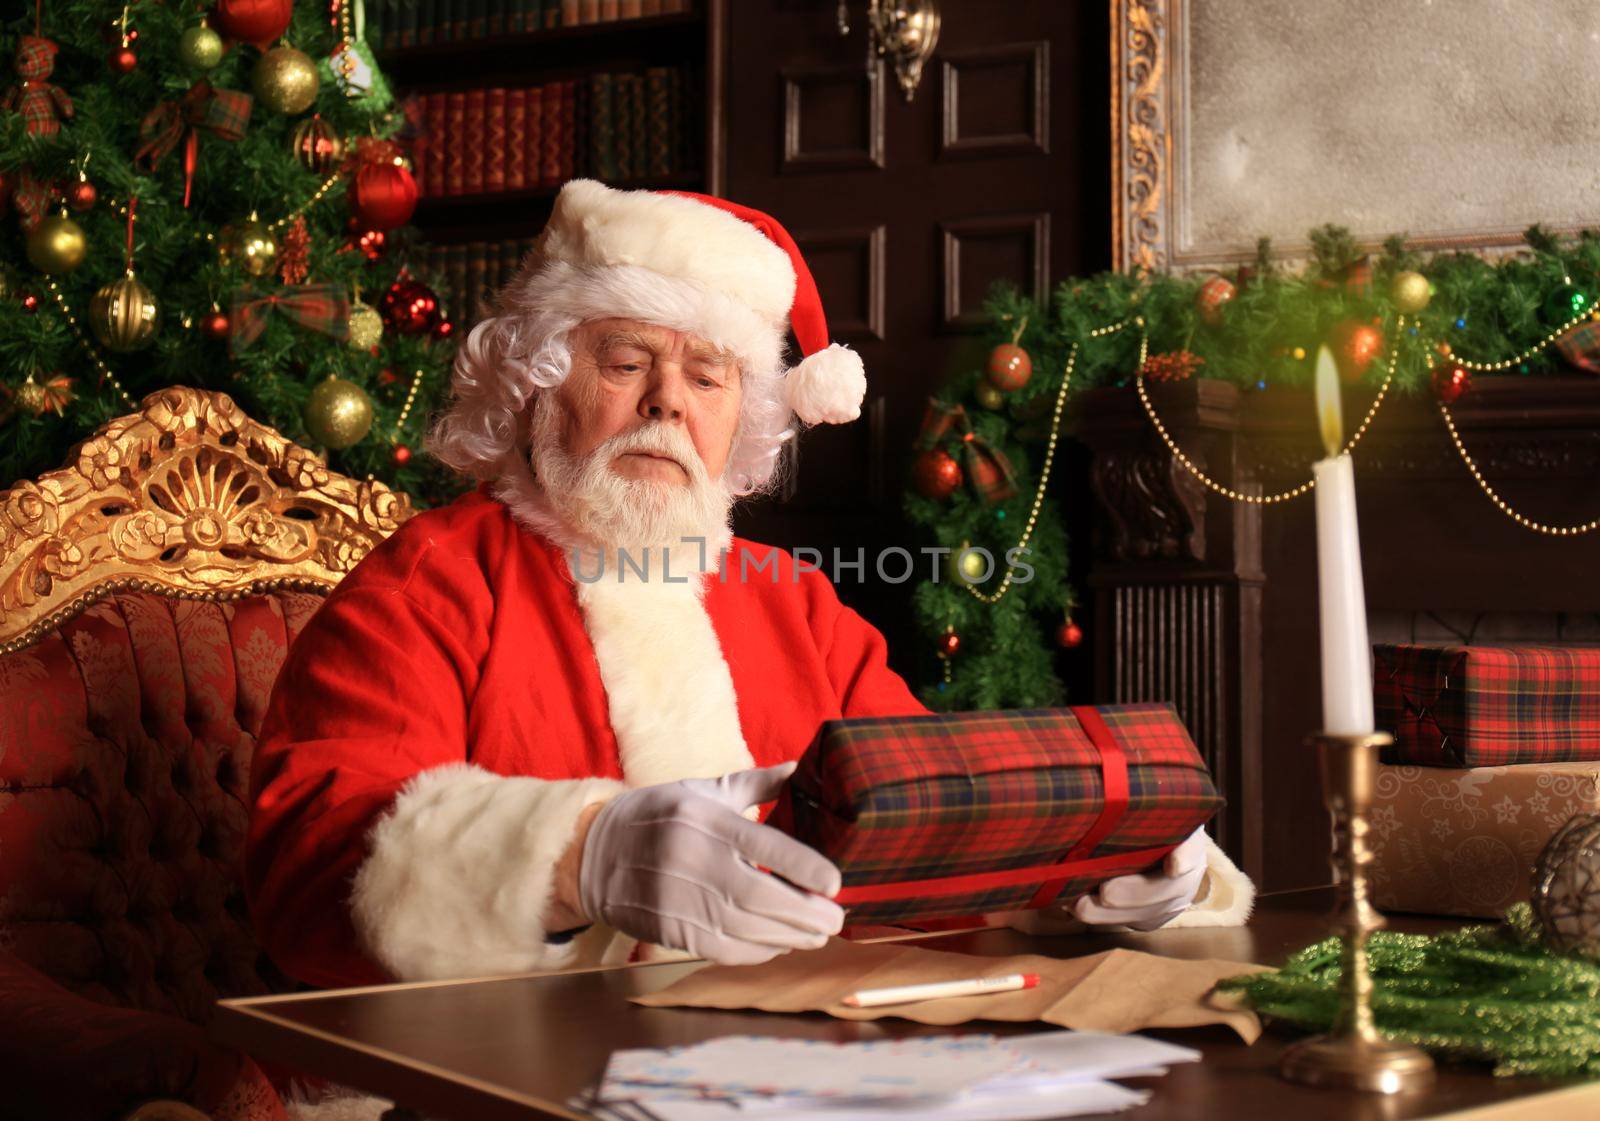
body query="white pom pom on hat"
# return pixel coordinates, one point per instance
(751, 283)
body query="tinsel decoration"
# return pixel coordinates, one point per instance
(1172, 365)
(295, 253)
(1494, 994)
(1566, 888)
(338, 413)
(285, 80)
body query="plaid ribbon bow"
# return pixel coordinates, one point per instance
(316, 307)
(1581, 346)
(985, 466)
(225, 113)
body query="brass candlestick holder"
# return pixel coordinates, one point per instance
(1353, 1056)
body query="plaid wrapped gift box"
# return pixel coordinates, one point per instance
(1486, 706)
(954, 815)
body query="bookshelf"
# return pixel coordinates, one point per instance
(461, 212)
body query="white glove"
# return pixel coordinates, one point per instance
(1147, 900)
(676, 865)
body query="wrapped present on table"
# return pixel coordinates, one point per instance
(1453, 841)
(952, 815)
(1483, 706)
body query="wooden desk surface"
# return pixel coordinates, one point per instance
(519, 1047)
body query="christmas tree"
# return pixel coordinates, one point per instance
(212, 195)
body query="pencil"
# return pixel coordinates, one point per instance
(937, 990)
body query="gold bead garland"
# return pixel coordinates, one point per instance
(1500, 503)
(994, 597)
(94, 355)
(405, 409)
(1262, 499)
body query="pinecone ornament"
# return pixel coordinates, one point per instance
(1566, 888)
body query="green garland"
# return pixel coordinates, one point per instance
(1485, 312)
(1484, 993)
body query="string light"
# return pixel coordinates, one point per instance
(998, 594)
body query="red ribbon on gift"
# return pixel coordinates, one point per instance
(224, 113)
(985, 466)
(317, 307)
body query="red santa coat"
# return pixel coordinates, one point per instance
(460, 698)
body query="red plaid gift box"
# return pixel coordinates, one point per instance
(940, 816)
(1486, 706)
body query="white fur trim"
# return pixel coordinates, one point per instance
(595, 225)
(338, 1103)
(460, 872)
(1226, 896)
(828, 387)
(668, 688)
(586, 292)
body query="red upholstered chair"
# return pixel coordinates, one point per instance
(148, 594)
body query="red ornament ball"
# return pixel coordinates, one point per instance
(949, 643)
(1355, 346)
(401, 455)
(82, 195)
(383, 195)
(409, 307)
(1212, 296)
(936, 474)
(444, 329)
(1009, 367)
(258, 22)
(122, 61)
(1069, 635)
(372, 244)
(30, 303)
(1450, 381)
(216, 324)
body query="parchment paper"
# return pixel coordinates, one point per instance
(1116, 991)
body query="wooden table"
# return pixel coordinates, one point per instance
(520, 1047)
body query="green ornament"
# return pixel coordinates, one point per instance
(200, 48)
(1565, 304)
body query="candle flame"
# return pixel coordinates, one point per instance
(1330, 410)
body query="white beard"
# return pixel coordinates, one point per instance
(602, 514)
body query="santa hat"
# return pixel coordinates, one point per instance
(725, 272)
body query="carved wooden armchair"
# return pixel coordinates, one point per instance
(149, 591)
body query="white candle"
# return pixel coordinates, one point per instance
(1346, 657)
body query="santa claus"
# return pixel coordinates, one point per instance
(527, 731)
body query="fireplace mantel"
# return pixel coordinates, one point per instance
(1211, 603)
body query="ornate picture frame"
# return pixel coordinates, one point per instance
(1372, 99)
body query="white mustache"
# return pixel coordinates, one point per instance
(656, 439)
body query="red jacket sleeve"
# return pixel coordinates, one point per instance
(857, 658)
(373, 691)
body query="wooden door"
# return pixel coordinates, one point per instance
(907, 213)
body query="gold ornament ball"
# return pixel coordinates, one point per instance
(968, 564)
(366, 326)
(200, 47)
(125, 315)
(315, 145)
(57, 245)
(31, 398)
(1411, 292)
(338, 413)
(990, 396)
(250, 245)
(285, 80)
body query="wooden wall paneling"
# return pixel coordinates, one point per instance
(1006, 108)
(977, 252)
(848, 264)
(832, 118)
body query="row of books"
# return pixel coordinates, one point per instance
(615, 127)
(473, 273)
(410, 23)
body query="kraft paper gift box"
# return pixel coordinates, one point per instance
(961, 814)
(1463, 841)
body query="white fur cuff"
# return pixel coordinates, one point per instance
(1226, 895)
(828, 387)
(461, 870)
